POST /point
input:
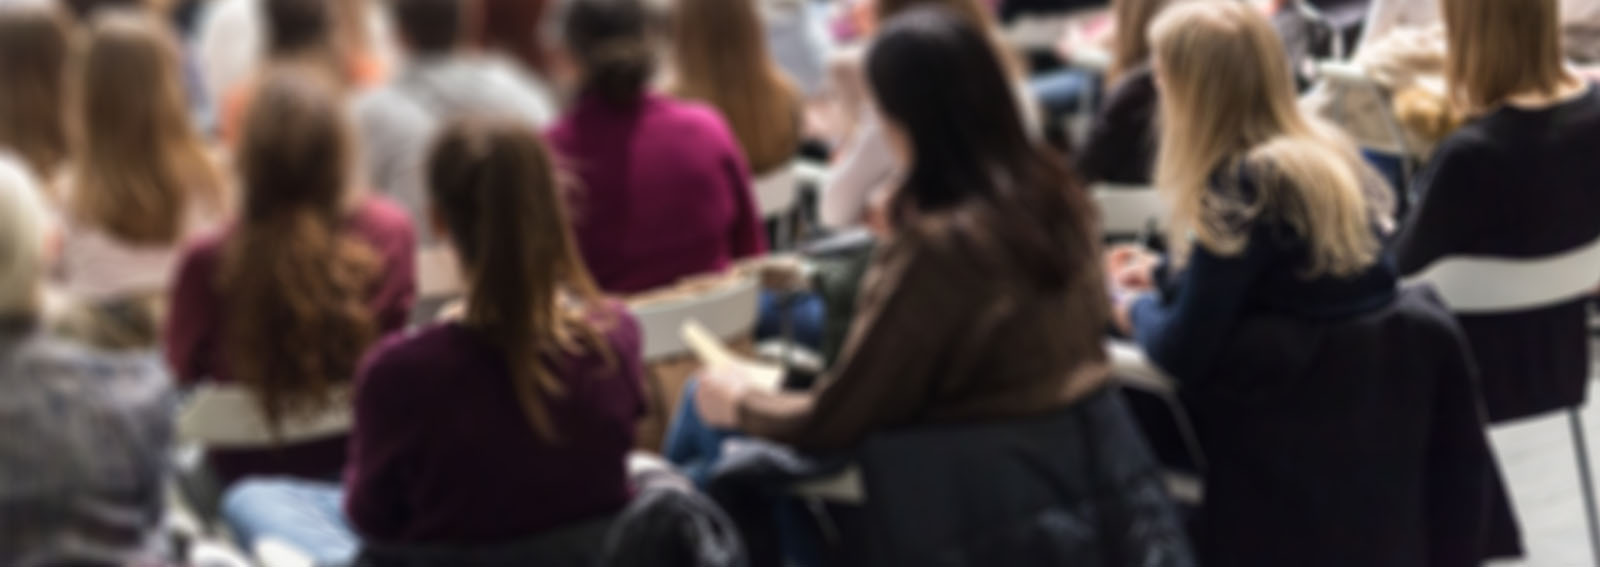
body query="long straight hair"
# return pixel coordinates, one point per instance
(141, 169)
(720, 55)
(293, 283)
(939, 79)
(493, 185)
(1499, 49)
(35, 48)
(1228, 103)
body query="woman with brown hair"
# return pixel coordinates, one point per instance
(526, 402)
(34, 50)
(720, 57)
(1517, 181)
(142, 180)
(312, 272)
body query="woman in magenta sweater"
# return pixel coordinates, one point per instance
(665, 191)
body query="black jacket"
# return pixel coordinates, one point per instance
(1359, 442)
(667, 524)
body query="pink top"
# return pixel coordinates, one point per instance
(665, 191)
(198, 313)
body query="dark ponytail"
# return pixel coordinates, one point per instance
(612, 42)
(529, 294)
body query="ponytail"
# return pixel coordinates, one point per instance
(529, 294)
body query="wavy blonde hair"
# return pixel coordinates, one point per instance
(1229, 104)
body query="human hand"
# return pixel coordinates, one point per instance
(718, 396)
(1131, 268)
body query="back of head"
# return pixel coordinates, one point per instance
(493, 185)
(1499, 49)
(23, 220)
(721, 57)
(611, 41)
(139, 161)
(1229, 106)
(293, 283)
(939, 80)
(34, 51)
(429, 26)
(298, 26)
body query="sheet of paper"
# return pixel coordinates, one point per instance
(718, 358)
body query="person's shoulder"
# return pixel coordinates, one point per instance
(382, 217)
(621, 327)
(120, 381)
(409, 360)
(695, 122)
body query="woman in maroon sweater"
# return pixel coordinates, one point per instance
(512, 421)
(285, 301)
(665, 191)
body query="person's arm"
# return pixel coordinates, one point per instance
(915, 311)
(1450, 211)
(191, 328)
(865, 167)
(1182, 334)
(383, 448)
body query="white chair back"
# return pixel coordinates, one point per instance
(729, 311)
(229, 417)
(1480, 285)
(777, 192)
(1128, 210)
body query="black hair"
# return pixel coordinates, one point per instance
(429, 26)
(612, 42)
(940, 80)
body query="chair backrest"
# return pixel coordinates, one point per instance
(729, 311)
(1482, 285)
(230, 417)
(1128, 210)
(777, 192)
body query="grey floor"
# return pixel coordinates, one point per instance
(1538, 461)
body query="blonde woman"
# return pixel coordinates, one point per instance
(1518, 181)
(720, 58)
(142, 181)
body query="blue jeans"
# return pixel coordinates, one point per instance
(1062, 92)
(696, 449)
(805, 313)
(306, 515)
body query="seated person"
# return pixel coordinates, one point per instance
(496, 428)
(1517, 181)
(83, 454)
(665, 191)
(285, 300)
(1278, 223)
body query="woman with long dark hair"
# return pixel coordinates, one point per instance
(986, 302)
(312, 272)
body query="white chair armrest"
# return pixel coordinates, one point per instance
(842, 488)
(1132, 369)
